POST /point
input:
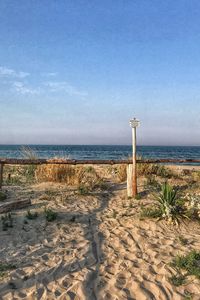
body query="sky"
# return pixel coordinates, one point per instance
(76, 71)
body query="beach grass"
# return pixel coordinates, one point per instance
(185, 266)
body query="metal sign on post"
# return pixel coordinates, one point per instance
(134, 123)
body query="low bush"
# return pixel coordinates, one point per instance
(178, 280)
(189, 264)
(183, 240)
(50, 215)
(83, 190)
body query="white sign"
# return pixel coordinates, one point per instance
(134, 123)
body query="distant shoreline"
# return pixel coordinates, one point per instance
(104, 145)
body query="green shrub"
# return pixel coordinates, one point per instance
(138, 197)
(50, 214)
(189, 263)
(183, 240)
(83, 189)
(177, 280)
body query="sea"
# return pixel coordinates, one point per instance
(101, 151)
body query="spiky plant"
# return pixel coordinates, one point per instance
(168, 202)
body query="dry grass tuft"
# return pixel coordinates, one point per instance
(28, 153)
(154, 169)
(122, 173)
(118, 172)
(83, 176)
(56, 173)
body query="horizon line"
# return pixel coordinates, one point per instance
(139, 145)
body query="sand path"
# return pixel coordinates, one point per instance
(98, 248)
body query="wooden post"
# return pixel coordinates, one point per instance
(134, 168)
(134, 123)
(1, 176)
(129, 180)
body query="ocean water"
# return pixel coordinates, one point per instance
(101, 151)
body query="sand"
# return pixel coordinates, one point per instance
(98, 248)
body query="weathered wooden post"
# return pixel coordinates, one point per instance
(1, 175)
(132, 193)
(129, 180)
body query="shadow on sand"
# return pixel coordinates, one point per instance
(90, 223)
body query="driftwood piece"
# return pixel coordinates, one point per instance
(13, 205)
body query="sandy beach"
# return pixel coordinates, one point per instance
(99, 150)
(98, 247)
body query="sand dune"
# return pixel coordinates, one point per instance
(98, 248)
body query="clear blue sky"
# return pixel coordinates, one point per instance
(75, 72)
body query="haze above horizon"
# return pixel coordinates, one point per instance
(76, 72)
